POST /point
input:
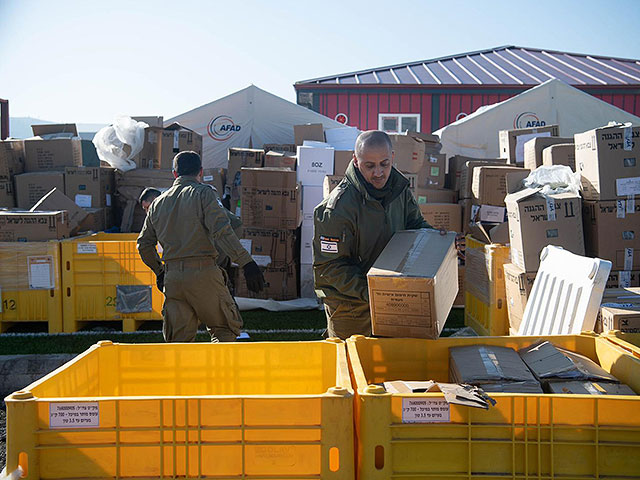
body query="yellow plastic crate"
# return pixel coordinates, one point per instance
(244, 410)
(27, 269)
(540, 436)
(628, 341)
(92, 268)
(485, 304)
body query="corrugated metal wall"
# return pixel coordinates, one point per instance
(435, 109)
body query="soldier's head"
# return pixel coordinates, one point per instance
(187, 164)
(373, 157)
(147, 197)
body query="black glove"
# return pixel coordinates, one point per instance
(253, 277)
(160, 281)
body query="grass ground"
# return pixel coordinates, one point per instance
(259, 325)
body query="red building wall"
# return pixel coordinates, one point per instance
(436, 109)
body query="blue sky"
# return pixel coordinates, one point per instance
(87, 61)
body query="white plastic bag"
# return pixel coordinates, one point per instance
(554, 179)
(119, 143)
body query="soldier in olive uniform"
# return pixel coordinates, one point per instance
(191, 226)
(352, 227)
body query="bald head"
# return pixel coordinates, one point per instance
(373, 157)
(372, 139)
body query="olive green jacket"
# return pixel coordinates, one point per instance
(189, 221)
(351, 230)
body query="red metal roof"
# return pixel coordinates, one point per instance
(507, 65)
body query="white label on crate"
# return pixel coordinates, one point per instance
(208, 178)
(624, 279)
(425, 410)
(246, 244)
(628, 258)
(41, 272)
(631, 204)
(620, 209)
(628, 138)
(627, 186)
(176, 140)
(108, 199)
(74, 415)
(490, 213)
(262, 260)
(83, 201)
(551, 209)
(87, 248)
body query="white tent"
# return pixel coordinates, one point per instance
(247, 118)
(553, 102)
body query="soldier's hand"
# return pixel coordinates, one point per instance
(160, 281)
(253, 277)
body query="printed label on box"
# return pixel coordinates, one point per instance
(551, 209)
(624, 279)
(246, 244)
(627, 186)
(41, 272)
(208, 178)
(74, 415)
(628, 138)
(425, 410)
(628, 258)
(108, 199)
(262, 260)
(87, 248)
(435, 171)
(631, 204)
(83, 201)
(620, 209)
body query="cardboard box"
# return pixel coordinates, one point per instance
(311, 198)
(240, 158)
(608, 158)
(466, 175)
(309, 131)
(623, 279)
(457, 163)
(586, 387)
(306, 244)
(270, 198)
(161, 145)
(90, 187)
(493, 368)
(280, 283)
(435, 195)
(11, 159)
(307, 286)
(279, 147)
(443, 216)
(152, 121)
(341, 160)
(215, 178)
(413, 284)
(434, 169)
(7, 196)
(330, 182)
(31, 187)
(612, 233)
(550, 363)
(512, 141)
(489, 185)
(280, 159)
(533, 149)
(33, 226)
(518, 285)
(408, 153)
(560, 154)
(55, 201)
(96, 220)
(623, 316)
(314, 164)
(278, 245)
(54, 147)
(531, 227)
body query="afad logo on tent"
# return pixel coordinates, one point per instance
(528, 120)
(222, 128)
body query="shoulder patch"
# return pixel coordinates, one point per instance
(335, 195)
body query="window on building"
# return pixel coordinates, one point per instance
(399, 122)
